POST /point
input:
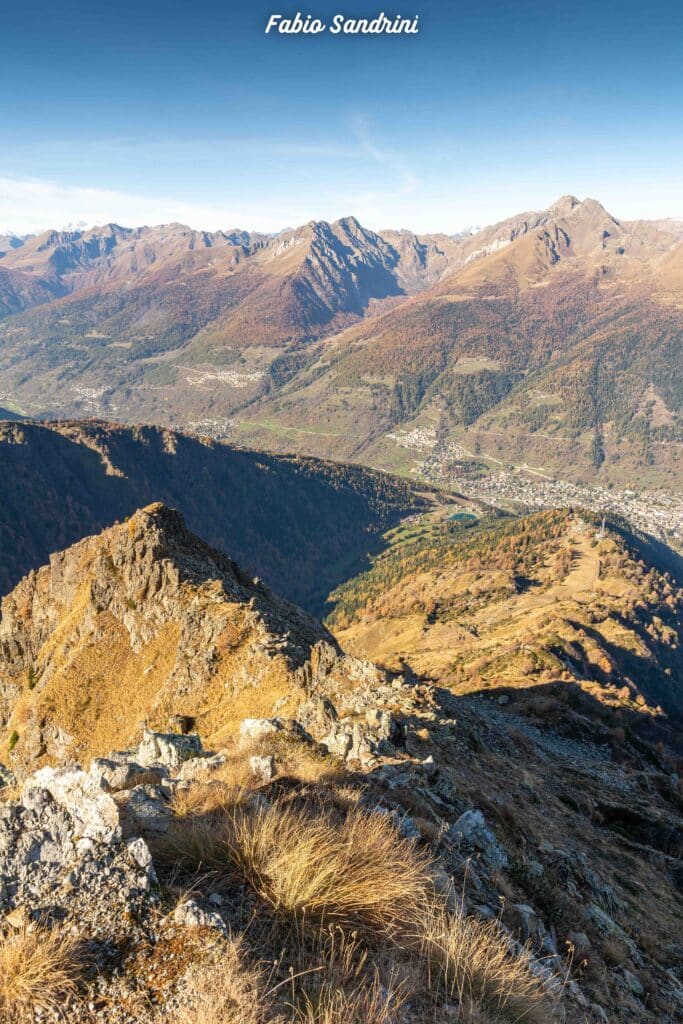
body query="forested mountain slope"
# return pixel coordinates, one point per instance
(301, 524)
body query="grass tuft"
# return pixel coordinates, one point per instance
(468, 961)
(322, 867)
(39, 969)
(227, 992)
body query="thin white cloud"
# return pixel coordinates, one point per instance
(185, 148)
(30, 205)
(399, 182)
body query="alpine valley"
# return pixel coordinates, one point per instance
(549, 342)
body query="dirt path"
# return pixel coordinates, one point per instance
(581, 579)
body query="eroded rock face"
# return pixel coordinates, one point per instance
(73, 846)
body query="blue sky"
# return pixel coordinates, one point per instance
(143, 112)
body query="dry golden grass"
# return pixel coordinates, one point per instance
(346, 984)
(297, 759)
(204, 798)
(294, 759)
(201, 811)
(9, 793)
(320, 869)
(196, 839)
(306, 862)
(39, 969)
(227, 992)
(468, 961)
(321, 866)
(336, 1006)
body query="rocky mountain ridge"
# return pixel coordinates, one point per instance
(188, 632)
(554, 348)
(184, 747)
(563, 613)
(547, 885)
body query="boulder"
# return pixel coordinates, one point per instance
(93, 811)
(404, 825)
(471, 830)
(381, 724)
(200, 769)
(167, 749)
(257, 728)
(139, 852)
(360, 740)
(263, 767)
(339, 740)
(114, 775)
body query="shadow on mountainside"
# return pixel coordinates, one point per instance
(568, 711)
(302, 525)
(658, 679)
(566, 759)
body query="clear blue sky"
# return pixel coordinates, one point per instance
(150, 111)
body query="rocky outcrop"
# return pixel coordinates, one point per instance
(523, 826)
(472, 832)
(62, 854)
(193, 639)
(74, 845)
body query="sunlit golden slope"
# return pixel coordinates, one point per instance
(140, 623)
(522, 603)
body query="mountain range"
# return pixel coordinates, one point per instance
(551, 339)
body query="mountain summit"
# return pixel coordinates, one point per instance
(139, 624)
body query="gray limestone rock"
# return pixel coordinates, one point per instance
(257, 728)
(93, 811)
(190, 915)
(471, 830)
(167, 749)
(263, 767)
